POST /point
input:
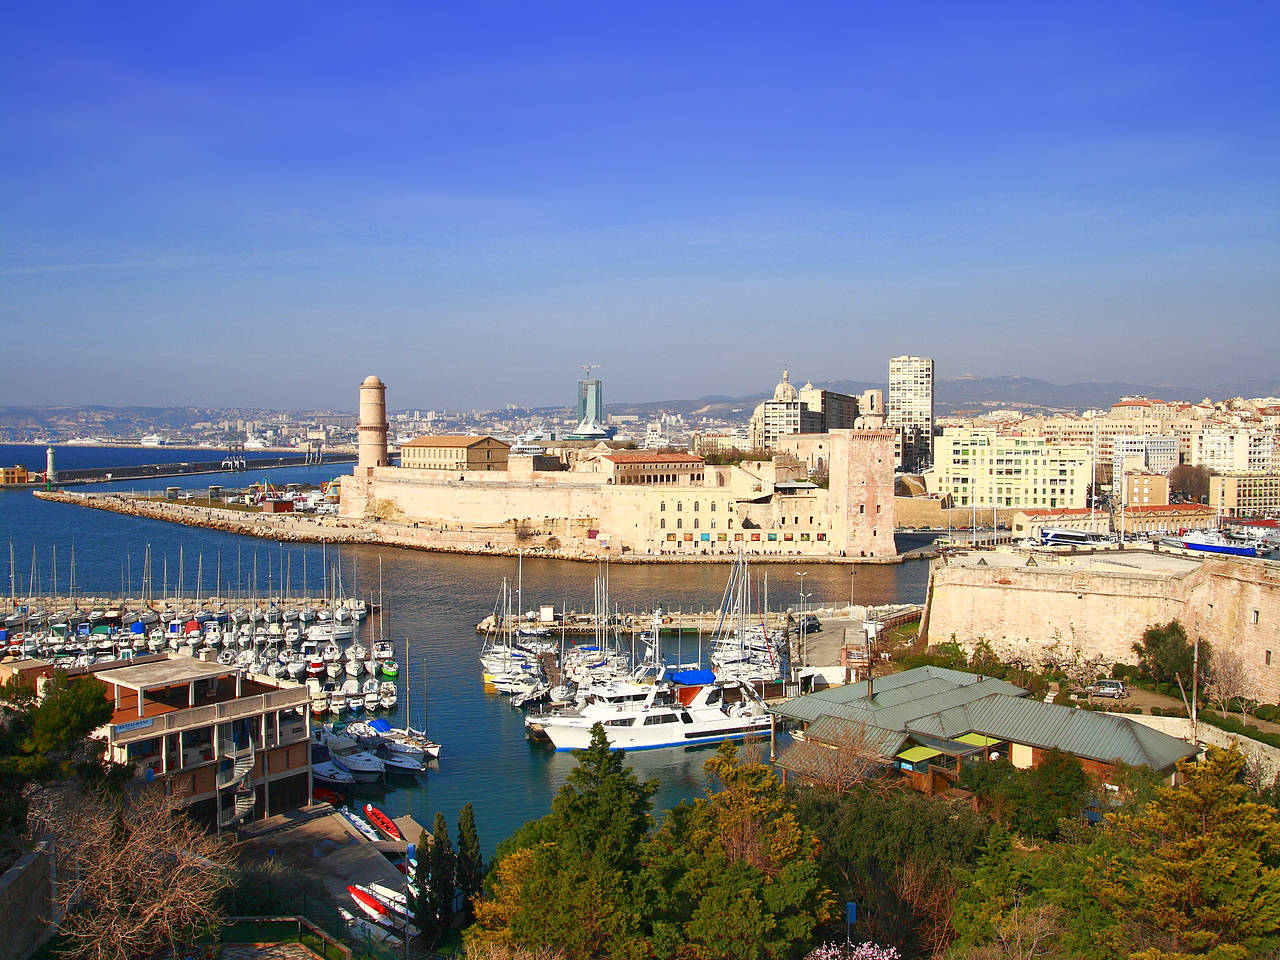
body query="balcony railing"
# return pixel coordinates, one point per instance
(210, 714)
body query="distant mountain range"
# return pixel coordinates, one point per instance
(971, 392)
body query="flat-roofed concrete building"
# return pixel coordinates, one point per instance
(1245, 494)
(980, 467)
(235, 747)
(454, 453)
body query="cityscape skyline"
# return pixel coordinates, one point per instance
(233, 209)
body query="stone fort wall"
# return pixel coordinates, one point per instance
(1060, 611)
(855, 515)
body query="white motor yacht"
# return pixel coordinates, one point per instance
(685, 707)
(347, 754)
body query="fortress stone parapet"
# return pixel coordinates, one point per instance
(1062, 610)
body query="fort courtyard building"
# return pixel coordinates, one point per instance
(454, 453)
(598, 501)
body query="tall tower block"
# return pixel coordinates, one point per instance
(373, 423)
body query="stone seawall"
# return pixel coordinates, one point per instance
(505, 541)
(1057, 613)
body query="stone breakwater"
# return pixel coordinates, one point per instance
(305, 528)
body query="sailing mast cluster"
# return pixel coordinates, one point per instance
(640, 698)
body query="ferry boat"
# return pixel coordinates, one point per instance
(1209, 541)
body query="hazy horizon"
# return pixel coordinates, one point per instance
(258, 206)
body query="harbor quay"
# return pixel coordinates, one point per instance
(509, 539)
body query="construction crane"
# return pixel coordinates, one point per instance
(588, 367)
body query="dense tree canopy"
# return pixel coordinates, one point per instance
(732, 875)
(1165, 654)
(43, 740)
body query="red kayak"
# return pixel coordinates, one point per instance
(325, 795)
(380, 911)
(382, 822)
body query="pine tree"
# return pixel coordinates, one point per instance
(1198, 870)
(470, 864)
(422, 908)
(439, 894)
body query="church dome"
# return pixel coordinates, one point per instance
(785, 391)
(371, 381)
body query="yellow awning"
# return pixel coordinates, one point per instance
(977, 740)
(916, 754)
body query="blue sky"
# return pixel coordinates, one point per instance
(260, 204)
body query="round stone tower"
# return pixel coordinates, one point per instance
(373, 423)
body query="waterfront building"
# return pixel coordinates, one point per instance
(232, 746)
(910, 410)
(454, 453)
(977, 468)
(599, 501)
(14, 475)
(1137, 519)
(924, 724)
(1245, 495)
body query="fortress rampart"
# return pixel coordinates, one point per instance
(1059, 611)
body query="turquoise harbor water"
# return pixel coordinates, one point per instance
(433, 600)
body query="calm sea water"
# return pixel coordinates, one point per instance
(432, 600)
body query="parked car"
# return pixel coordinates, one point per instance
(1108, 688)
(811, 623)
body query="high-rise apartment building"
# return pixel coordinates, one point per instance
(910, 410)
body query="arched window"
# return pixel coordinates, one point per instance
(679, 506)
(713, 523)
(662, 524)
(662, 506)
(679, 523)
(695, 523)
(713, 506)
(695, 506)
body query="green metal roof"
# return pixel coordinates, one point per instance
(896, 696)
(965, 708)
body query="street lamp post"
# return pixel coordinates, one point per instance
(804, 647)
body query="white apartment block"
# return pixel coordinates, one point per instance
(1240, 451)
(910, 409)
(1156, 453)
(982, 468)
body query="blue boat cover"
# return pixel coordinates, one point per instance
(137, 628)
(380, 725)
(691, 678)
